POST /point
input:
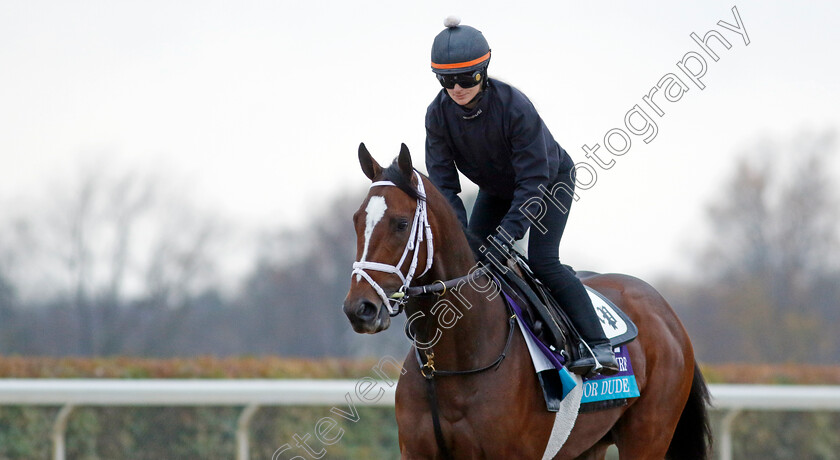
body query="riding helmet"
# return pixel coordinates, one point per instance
(459, 49)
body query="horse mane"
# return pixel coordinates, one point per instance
(394, 174)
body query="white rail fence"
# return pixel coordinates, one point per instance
(252, 394)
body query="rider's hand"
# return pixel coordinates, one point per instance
(496, 250)
(500, 244)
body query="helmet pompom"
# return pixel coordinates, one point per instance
(451, 21)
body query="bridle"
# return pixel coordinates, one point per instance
(420, 230)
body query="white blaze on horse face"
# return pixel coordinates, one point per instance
(374, 211)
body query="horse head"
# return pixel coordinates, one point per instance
(393, 242)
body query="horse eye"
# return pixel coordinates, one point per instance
(402, 225)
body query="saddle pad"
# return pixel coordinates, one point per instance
(615, 387)
(620, 330)
(599, 389)
(616, 324)
(571, 395)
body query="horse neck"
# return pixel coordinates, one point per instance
(478, 334)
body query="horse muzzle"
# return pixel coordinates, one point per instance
(366, 316)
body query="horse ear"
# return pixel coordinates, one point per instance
(370, 167)
(404, 161)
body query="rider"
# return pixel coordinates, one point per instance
(492, 133)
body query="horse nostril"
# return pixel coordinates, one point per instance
(366, 310)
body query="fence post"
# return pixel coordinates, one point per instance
(725, 446)
(242, 443)
(59, 427)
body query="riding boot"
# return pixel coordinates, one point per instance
(600, 361)
(576, 303)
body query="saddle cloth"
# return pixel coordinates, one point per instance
(553, 341)
(567, 394)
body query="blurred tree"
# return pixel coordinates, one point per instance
(298, 285)
(118, 263)
(765, 293)
(120, 250)
(7, 314)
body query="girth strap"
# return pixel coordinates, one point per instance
(432, 394)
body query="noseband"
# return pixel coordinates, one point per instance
(420, 229)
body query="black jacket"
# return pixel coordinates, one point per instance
(502, 145)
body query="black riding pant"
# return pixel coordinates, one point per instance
(548, 221)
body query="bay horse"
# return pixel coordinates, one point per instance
(409, 236)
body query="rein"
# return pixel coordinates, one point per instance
(441, 286)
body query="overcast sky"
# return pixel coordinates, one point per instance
(258, 107)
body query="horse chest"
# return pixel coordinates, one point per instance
(475, 423)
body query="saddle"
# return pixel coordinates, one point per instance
(549, 321)
(540, 311)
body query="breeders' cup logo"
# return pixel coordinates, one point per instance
(606, 317)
